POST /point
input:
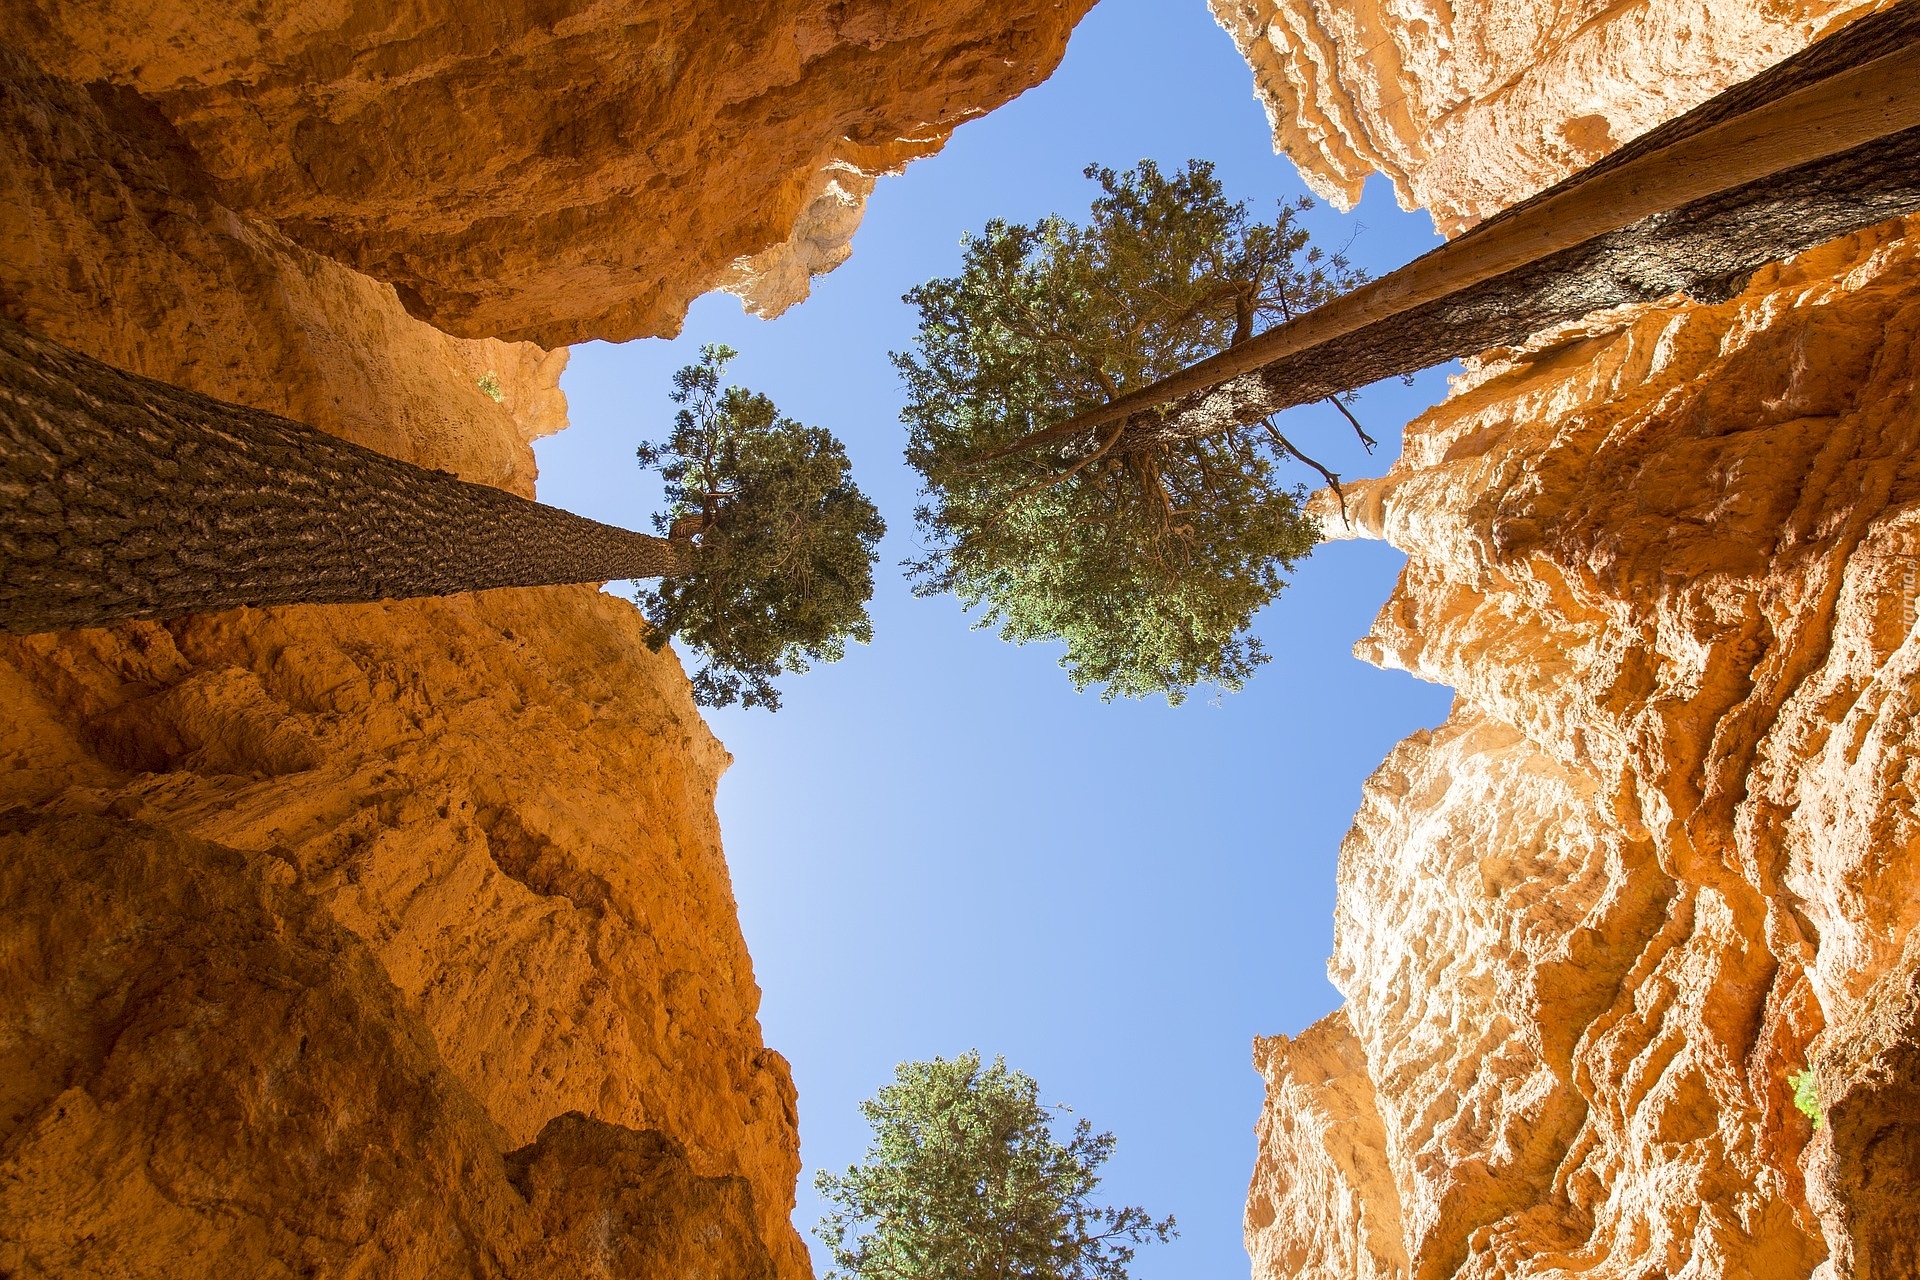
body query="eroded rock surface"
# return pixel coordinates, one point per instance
(1323, 1202)
(1469, 108)
(506, 797)
(398, 939)
(513, 791)
(565, 169)
(206, 1075)
(1665, 854)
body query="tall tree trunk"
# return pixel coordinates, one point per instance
(1825, 143)
(122, 497)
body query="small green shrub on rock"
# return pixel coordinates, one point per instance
(1806, 1095)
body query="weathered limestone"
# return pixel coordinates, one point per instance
(1588, 928)
(1323, 1205)
(232, 1085)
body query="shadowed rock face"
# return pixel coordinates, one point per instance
(623, 1203)
(397, 939)
(206, 1075)
(112, 242)
(505, 798)
(558, 170)
(1664, 853)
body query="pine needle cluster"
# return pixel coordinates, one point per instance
(782, 541)
(966, 1180)
(1147, 556)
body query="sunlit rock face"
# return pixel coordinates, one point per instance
(1323, 1202)
(397, 940)
(1469, 108)
(563, 169)
(1665, 852)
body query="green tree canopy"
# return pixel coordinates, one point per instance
(782, 540)
(1148, 556)
(965, 1180)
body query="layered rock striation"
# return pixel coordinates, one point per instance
(1664, 855)
(397, 939)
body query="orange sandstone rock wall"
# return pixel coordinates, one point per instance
(114, 242)
(557, 170)
(1322, 1201)
(504, 800)
(398, 939)
(1469, 108)
(1665, 852)
(207, 1075)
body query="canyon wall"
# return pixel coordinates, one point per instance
(1664, 855)
(1469, 108)
(398, 939)
(557, 170)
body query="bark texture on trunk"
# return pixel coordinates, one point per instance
(1753, 175)
(1708, 249)
(122, 497)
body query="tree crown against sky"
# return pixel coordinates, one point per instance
(783, 541)
(1147, 556)
(966, 1180)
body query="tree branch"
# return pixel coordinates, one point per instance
(1333, 481)
(1053, 480)
(1735, 183)
(1359, 430)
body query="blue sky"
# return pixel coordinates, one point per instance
(937, 844)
